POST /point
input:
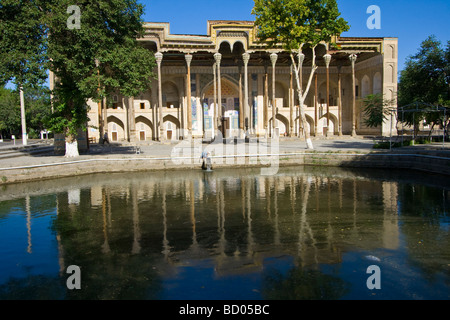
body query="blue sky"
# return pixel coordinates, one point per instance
(409, 21)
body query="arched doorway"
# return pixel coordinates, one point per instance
(228, 108)
(282, 124)
(116, 129)
(172, 127)
(144, 129)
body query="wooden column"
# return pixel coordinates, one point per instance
(339, 101)
(266, 100)
(316, 102)
(246, 58)
(159, 57)
(273, 59)
(218, 58)
(327, 58)
(353, 60)
(291, 103)
(241, 102)
(188, 58)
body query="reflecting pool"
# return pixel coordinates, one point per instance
(305, 233)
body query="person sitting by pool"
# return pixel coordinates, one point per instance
(206, 163)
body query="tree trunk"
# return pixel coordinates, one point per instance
(309, 143)
(302, 95)
(71, 146)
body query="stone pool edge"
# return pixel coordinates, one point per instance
(430, 162)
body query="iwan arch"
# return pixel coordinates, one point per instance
(224, 81)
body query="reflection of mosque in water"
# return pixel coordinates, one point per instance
(234, 222)
(132, 234)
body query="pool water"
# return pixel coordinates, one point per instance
(305, 233)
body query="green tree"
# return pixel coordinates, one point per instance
(38, 101)
(425, 82)
(38, 104)
(38, 34)
(296, 25)
(9, 113)
(102, 56)
(22, 47)
(375, 109)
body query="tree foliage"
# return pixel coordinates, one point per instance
(108, 34)
(425, 82)
(23, 44)
(375, 111)
(101, 57)
(9, 112)
(37, 100)
(295, 24)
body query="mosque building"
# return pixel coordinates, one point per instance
(227, 81)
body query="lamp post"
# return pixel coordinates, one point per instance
(327, 58)
(353, 58)
(273, 59)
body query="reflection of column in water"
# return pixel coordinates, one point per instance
(243, 188)
(293, 192)
(220, 206)
(330, 217)
(165, 244)
(136, 230)
(108, 202)
(275, 210)
(60, 247)
(28, 210)
(74, 196)
(105, 246)
(355, 203)
(390, 218)
(250, 240)
(268, 204)
(192, 209)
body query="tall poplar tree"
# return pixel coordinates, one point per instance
(297, 25)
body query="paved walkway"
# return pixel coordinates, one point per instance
(40, 152)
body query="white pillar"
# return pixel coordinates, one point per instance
(23, 116)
